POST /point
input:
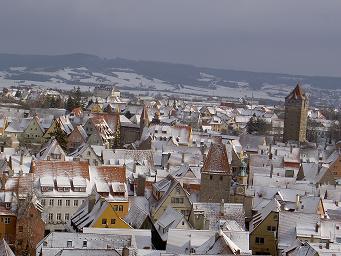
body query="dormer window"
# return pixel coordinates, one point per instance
(69, 244)
(8, 205)
(46, 189)
(56, 156)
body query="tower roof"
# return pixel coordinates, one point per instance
(297, 93)
(144, 114)
(216, 160)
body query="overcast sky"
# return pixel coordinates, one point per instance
(292, 36)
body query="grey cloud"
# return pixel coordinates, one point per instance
(264, 35)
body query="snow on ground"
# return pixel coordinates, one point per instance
(17, 68)
(138, 84)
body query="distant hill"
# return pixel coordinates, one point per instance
(170, 72)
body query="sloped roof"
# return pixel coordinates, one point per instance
(297, 93)
(79, 168)
(109, 173)
(216, 160)
(138, 212)
(232, 211)
(272, 206)
(5, 250)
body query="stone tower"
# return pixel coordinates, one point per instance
(144, 119)
(295, 119)
(216, 175)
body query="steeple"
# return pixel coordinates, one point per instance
(144, 119)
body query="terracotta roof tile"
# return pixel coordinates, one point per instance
(216, 160)
(297, 93)
(79, 168)
(112, 173)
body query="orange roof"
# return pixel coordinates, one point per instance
(77, 111)
(76, 168)
(112, 173)
(216, 160)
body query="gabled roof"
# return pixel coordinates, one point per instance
(49, 148)
(5, 250)
(54, 168)
(216, 160)
(272, 206)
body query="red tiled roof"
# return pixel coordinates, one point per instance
(297, 93)
(216, 160)
(77, 111)
(112, 173)
(77, 168)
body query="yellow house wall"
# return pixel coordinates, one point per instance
(186, 206)
(270, 240)
(109, 214)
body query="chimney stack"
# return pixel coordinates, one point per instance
(21, 157)
(141, 185)
(125, 251)
(297, 201)
(222, 207)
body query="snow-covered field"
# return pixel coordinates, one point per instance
(128, 80)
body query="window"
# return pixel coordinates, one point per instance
(211, 177)
(113, 221)
(59, 202)
(85, 243)
(67, 202)
(21, 229)
(115, 207)
(275, 217)
(50, 216)
(289, 173)
(8, 205)
(120, 208)
(271, 228)
(104, 221)
(259, 240)
(43, 202)
(69, 244)
(59, 216)
(51, 202)
(75, 202)
(177, 200)
(7, 220)
(67, 216)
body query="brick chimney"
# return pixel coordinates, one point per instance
(141, 185)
